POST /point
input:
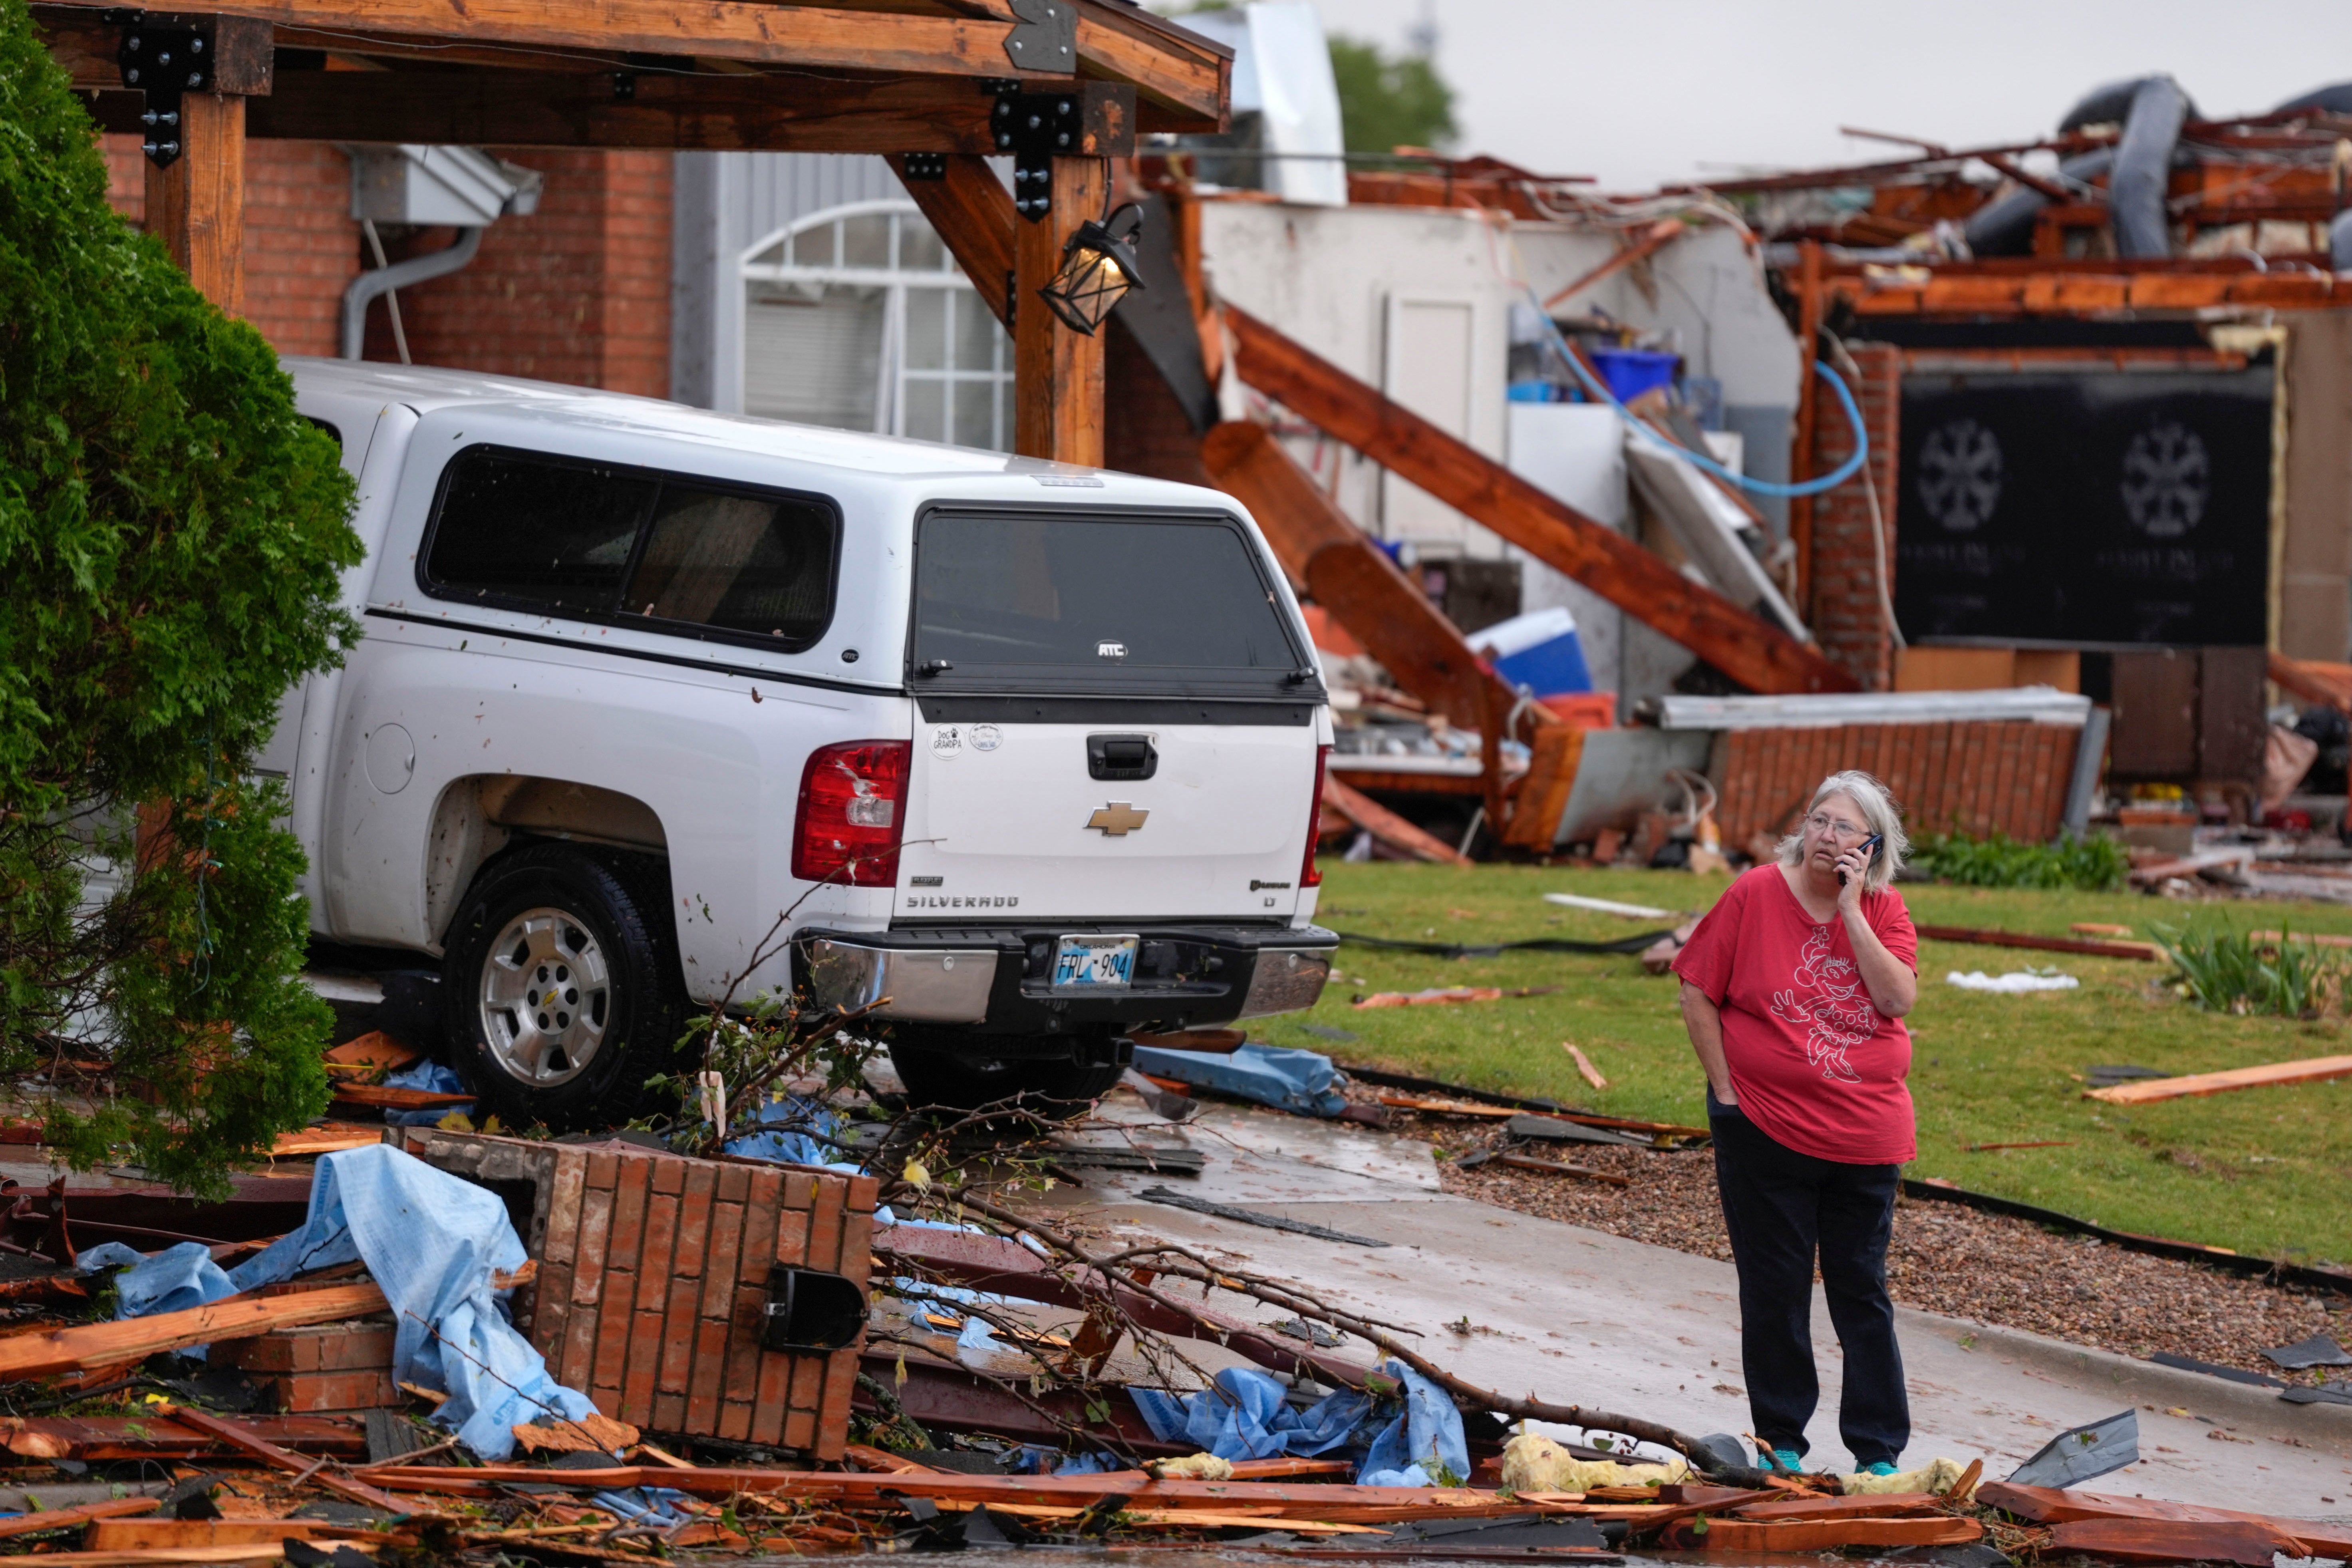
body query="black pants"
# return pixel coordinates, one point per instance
(1782, 1207)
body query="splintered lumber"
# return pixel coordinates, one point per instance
(2088, 948)
(374, 1049)
(2053, 1505)
(239, 1436)
(58, 1517)
(2316, 939)
(1760, 656)
(149, 1534)
(1561, 1168)
(1592, 1074)
(331, 1138)
(384, 1097)
(1869, 1506)
(1822, 1534)
(99, 1438)
(145, 1557)
(1129, 1488)
(1386, 826)
(2251, 1543)
(2142, 1091)
(59, 1350)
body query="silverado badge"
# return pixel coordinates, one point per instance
(1118, 819)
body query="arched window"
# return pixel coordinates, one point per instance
(857, 317)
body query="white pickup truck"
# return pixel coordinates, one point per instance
(655, 705)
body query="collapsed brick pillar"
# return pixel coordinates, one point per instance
(1845, 609)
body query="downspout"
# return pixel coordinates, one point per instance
(2136, 207)
(364, 288)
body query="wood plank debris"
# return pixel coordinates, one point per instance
(327, 1137)
(1608, 907)
(246, 1440)
(2146, 1091)
(2120, 1540)
(48, 1352)
(2085, 946)
(1584, 1066)
(1387, 827)
(81, 1513)
(2190, 865)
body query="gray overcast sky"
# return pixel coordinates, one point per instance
(1641, 94)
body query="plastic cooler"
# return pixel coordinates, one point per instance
(1538, 651)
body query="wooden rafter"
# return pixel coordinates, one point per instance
(1760, 656)
(1182, 76)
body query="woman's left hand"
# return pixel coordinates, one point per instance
(1853, 867)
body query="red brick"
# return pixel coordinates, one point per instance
(824, 1225)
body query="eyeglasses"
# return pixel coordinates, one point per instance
(1829, 827)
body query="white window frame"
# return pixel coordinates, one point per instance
(890, 388)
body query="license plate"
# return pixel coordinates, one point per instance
(1095, 963)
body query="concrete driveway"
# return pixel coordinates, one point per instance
(1582, 1317)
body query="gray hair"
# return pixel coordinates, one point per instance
(1878, 808)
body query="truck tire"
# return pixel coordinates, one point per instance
(1056, 1088)
(563, 985)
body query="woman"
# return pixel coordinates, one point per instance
(1794, 988)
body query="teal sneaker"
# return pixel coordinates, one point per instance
(1788, 1461)
(1878, 1468)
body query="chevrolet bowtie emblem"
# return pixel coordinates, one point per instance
(1118, 819)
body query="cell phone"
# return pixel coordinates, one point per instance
(1871, 844)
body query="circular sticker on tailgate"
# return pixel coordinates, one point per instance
(986, 737)
(947, 742)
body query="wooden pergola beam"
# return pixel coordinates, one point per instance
(972, 212)
(727, 114)
(1185, 78)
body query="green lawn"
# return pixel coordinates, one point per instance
(2264, 1171)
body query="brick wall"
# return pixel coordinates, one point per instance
(301, 245)
(578, 292)
(653, 1281)
(1845, 613)
(2010, 775)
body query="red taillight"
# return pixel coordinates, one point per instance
(1308, 876)
(853, 809)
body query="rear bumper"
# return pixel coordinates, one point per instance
(998, 979)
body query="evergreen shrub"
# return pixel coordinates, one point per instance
(171, 537)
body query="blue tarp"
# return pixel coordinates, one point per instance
(1303, 1081)
(434, 1078)
(432, 1241)
(794, 1131)
(1245, 1416)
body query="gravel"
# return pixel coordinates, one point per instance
(1989, 1269)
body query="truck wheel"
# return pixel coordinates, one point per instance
(563, 985)
(1057, 1089)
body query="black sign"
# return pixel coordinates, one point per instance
(2086, 508)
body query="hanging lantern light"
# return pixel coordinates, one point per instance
(1098, 266)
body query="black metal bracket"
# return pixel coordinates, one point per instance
(925, 166)
(165, 64)
(1036, 128)
(1046, 37)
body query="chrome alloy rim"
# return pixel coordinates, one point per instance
(546, 998)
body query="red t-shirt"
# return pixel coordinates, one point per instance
(1816, 1067)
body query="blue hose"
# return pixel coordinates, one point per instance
(1814, 487)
